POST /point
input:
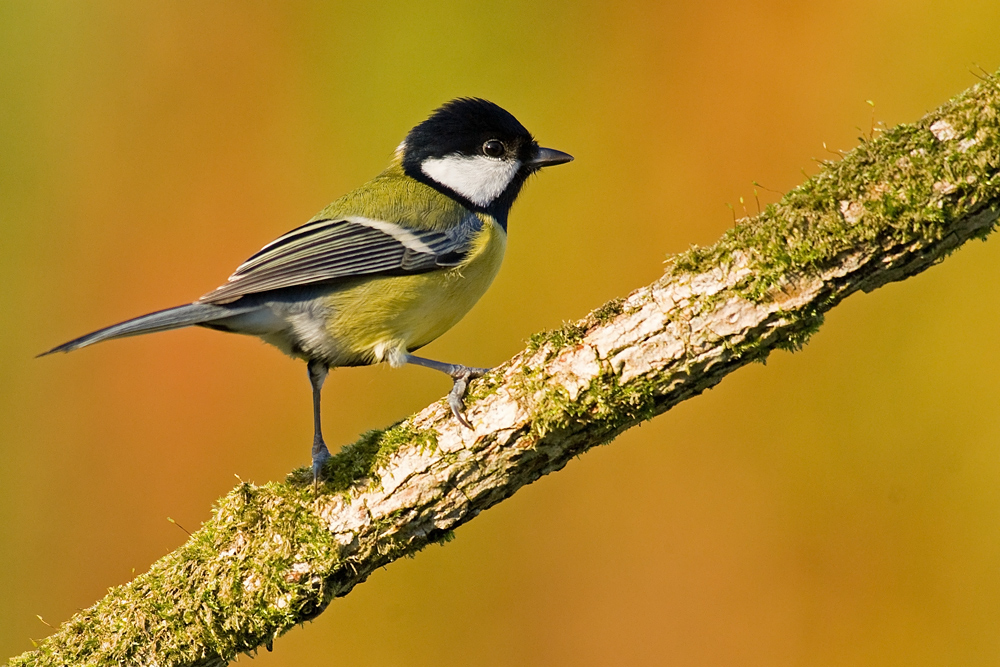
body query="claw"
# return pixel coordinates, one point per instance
(456, 400)
(460, 374)
(456, 397)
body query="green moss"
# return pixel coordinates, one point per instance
(446, 537)
(570, 333)
(805, 323)
(604, 406)
(867, 197)
(360, 460)
(485, 386)
(609, 311)
(215, 595)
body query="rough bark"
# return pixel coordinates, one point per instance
(275, 555)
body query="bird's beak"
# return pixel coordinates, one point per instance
(546, 157)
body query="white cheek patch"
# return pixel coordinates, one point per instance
(478, 178)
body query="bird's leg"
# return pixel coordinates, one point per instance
(317, 374)
(461, 376)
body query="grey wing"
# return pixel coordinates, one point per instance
(325, 250)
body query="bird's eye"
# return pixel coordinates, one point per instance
(494, 148)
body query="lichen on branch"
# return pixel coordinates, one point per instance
(276, 555)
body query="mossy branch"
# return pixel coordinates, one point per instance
(274, 556)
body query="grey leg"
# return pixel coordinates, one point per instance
(461, 376)
(317, 374)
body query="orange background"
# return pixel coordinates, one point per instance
(839, 506)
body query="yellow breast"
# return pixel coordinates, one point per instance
(380, 319)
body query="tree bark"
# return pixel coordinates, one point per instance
(273, 556)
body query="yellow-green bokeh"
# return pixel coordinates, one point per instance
(838, 506)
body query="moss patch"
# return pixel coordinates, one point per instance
(569, 333)
(907, 185)
(253, 571)
(360, 461)
(609, 311)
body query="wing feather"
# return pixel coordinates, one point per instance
(327, 250)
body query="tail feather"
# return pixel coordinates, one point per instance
(161, 320)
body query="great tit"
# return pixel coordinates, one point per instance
(388, 267)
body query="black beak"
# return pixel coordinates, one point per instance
(546, 157)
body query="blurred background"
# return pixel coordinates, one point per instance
(838, 506)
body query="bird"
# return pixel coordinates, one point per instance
(386, 268)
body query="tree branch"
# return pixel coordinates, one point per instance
(275, 555)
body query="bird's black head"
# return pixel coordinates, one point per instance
(473, 150)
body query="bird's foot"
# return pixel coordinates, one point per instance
(320, 455)
(456, 397)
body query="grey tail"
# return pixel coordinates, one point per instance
(161, 320)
